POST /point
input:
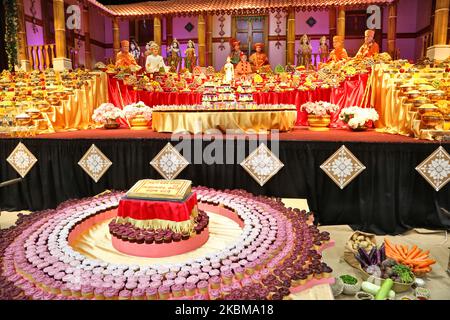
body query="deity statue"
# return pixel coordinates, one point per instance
(305, 52)
(370, 47)
(324, 50)
(339, 53)
(235, 51)
(190, 60)
(229, 71)
(124, 58)
(243, 68)
(135, 50)
(174, 56)
(154, 61)
(259, 58)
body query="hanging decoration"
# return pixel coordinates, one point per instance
(278, 17)
(11, 29)
(33, 15)
(222, 32)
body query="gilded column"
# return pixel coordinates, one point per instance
(60, 62)
(87, 39)
(22, 38)
(332, 16)
(209, 40)
(201, 40)
(441, 22)
(116, 36)
(157, 30)
(392, 29)
(341, 22)
(290, 39)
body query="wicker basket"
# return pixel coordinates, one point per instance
(352, 289)
(349, 253)
(397, 288)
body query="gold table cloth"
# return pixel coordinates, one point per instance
(201, 122)
(75, 113)
(396, 116)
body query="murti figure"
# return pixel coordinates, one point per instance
(135, 50)
(190, 60)
(154, 61)
(243, 68)
(370, 47)
(304, 52)
(228, 68)
(124, 58)
(235, 54)
(324, 50)
(174, 56)
(339, 53)
(259, 58)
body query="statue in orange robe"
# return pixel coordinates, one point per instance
(259, 58)
(339, 53)
(244, 67)
(124, 58)
(370, 47)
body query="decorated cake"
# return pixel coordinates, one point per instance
(158, 211)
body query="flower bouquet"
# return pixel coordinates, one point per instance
(138, 115)
(319, 114)
(358, 118)
(107, 114)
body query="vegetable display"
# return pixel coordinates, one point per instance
(415, 258)
(374, 258)
(387, 285)
(349, 279)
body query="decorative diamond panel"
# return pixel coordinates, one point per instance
(21, 159)
(189, 26)
(169, 162)
(311, 22)
(95, 163)
(262, 164)
(436, 168)
(342, 167)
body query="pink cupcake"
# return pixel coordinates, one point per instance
(151, 293)
(164, 292)
(138, 294)
(99, 293)
(178, 290)
(214, 294)
(65, 290)
(180, 280)
(215, 282)
(226, 290)
(125, 294)
(239, 272)
(189, 288)
(202, 287)
(227, 277)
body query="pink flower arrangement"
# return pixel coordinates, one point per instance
(320, 108)
(106, 111)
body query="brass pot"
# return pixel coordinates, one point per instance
(139, 123)
(23, 120)
(437, 95)
(111, 124)
(319, 123)
(420, 101)
(413, 94)
(427, 108)
(432, 121)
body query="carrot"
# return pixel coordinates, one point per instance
(411, 252)
(424, 254)
(415, 253)
(424, 270)
(401, 250)
(426, 263)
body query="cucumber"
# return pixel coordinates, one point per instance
(373, 289)
(387, 285)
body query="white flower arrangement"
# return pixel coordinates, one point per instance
(320, 108)
(357, 117)
(139, 108)
(107, 111)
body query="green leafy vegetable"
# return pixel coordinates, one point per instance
(404, 272)
(349, 279)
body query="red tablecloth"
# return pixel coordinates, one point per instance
(162, 210)
(350, 93)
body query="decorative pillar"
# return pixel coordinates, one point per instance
(169, 30)
(60, 62)
(209, 42)
(116, 36)
(290, 37)
(201, 41)
(87, 39)
(341, 22)
(392, 29)
(333, 17)
(136, 31)
(22, 38)
(157, 30)
(440, 50)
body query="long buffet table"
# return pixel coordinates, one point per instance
(350, 93)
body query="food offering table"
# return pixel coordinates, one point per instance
(203, 121)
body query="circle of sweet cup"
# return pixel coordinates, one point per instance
(277, 249)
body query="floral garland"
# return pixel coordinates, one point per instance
(11, 29)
